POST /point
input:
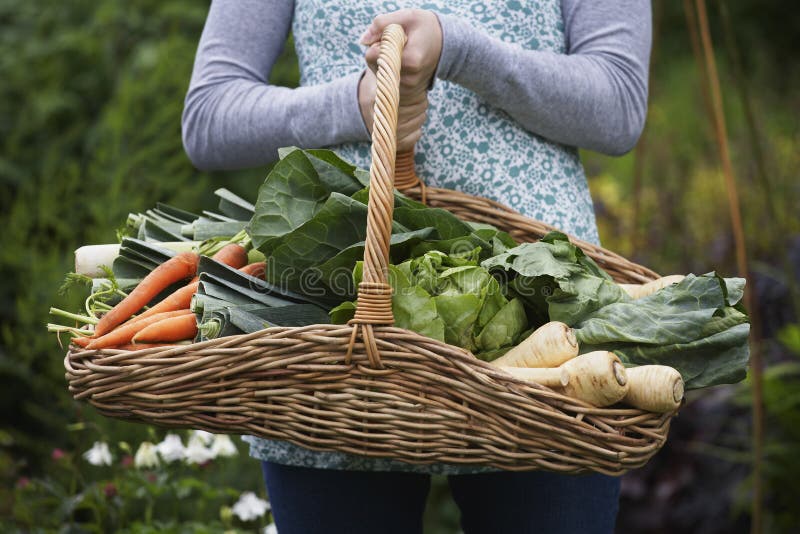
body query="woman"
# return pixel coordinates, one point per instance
(495, 98)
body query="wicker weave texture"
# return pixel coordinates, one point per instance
(432, 402)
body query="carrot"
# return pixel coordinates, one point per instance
(232, 254)
(178, 300)
(257, 269)
(124, 333)
(173, 270)
(81, 341)
(169, 329)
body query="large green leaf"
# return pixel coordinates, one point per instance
(448, 225)
(336, 273)
(558, 260)
(310, 223)
(294, 258)
(338, 174)
(290, 196)
(693, 308)
(555, 279)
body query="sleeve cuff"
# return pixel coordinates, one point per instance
(348, 121)
(457, 37)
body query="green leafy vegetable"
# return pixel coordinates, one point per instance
(310, 222)
(297, 187)
(452, 299)
(168, 223)
(223, 282)
(555, 279)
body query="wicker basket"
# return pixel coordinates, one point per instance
(368, 388)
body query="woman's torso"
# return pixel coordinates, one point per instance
(466, 145)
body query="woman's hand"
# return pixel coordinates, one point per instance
(420, 58)
(422, 50)
(410, 117)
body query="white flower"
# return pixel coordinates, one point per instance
(272, 528)
(171, 448)
(99, 454)
(146, 456)
(223, 446)
(250, 507)
(205, 437)
(196, 452)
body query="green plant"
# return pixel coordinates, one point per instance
(782, 440)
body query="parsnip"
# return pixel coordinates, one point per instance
(549, 345)
(556, 377)
(655, 388)
(598, 378)
(637, 291)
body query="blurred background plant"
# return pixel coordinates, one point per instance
(90, 104)
(150, 488)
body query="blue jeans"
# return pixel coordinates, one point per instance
(310, 501)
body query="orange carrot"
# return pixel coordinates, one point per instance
(178, 300)
(173, 270)
(181, 298)
(124, 333)
(232, 254)
(81, 341)
(169, 329)
(257, 269)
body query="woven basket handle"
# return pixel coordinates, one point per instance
(405, 176)
(374, 302)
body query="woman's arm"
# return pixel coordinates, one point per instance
(233, 117)
(593, 97)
